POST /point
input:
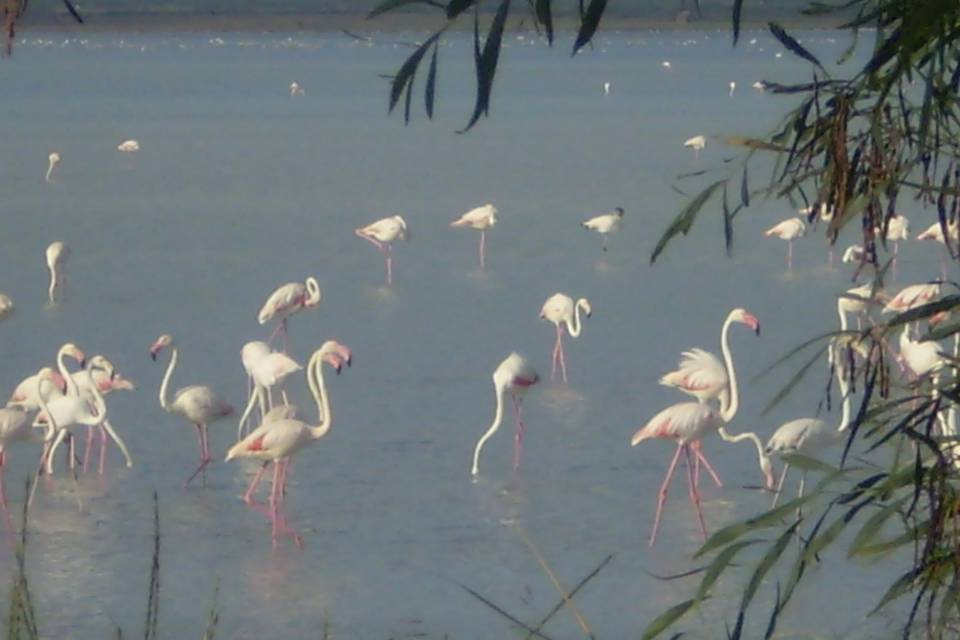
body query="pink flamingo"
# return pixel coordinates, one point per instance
(935, 232)
(561, 310)
(789, 230)
(107, 380)
(913, 296)
(198, 404)
(277, 440)
(481, 218)
(381, 234)
(514, 376)
(287, 300)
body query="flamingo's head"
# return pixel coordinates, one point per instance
(585, 305)
(745, 317)
(100, 362)
(766, 467)
(71, 350)
(336, 354)
(160, 344)
(619, 212)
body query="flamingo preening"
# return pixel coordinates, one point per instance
(198, 404)
(277, 440)
(513, 376)
(480, 218)
(285, 301)
(561, 310)
(605, 224)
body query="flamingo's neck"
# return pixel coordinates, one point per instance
(730, 400)
(51, 422)
(497, 419)
(166, 381)
(844, 392)
(574, 329)
(72, 388)
(843, 316)
(319, 389)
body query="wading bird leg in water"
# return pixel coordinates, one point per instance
(694, 494)
(783, 476)
(483, 240)
(563, 360)
(697, 450)
(518, 439)
(385, 249)
(789, 255)
(204, 457)
(276, 507)
(557, 345)
(248, 496)
(662, 497)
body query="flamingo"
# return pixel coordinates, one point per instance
(935, 232)
(6, 307)
(267, 371)
(561, 310)
(858, 300)
(920, 357)
(277, 440)
(788, 230)
(702, 375)
(898, 228)
(481, 218)
(296, 89)
(733, 87)
(808, 436)
(606, 88)
(129, 146)
(198, 404)
(696, 143)
(52, 160)
(666, 64)
(381, 234)
(286, 301)
(57, 254)
(513, 376)
(759, 85)
(913, 296)
(605, 224)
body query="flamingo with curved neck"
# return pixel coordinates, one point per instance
(198, 404)
(561, 310)
(67, 411)
(278, 439)
(514, 376)
(286, 300)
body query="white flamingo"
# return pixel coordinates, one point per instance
(381, 234)
(57, 254)
(52, 161)
(605, 224)
(6, 307)
(561, 310)
(267, 371)
(129, 146)
(285, 301)
(697, 143)
(512, 376)
(198, 404)
(480, 218)
(789, 230)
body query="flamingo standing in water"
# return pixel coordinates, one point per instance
(129, 146)
(935, 232)
(513, 376)
(789, 230)
(809, 436)
(605, 224)
(52, 161)
(278, 439)
(57, 254)
(913, 296)
(6, 306)
(702, 375)
(198, 404)
(286, 301)
(697, 143)
(267, 370)
(381, 234)
(560, 309)
(481, 218)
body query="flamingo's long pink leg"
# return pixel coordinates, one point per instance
(3, 494)
(483, 243)
(563, 358)
(783, 476)
(518, 439)
(697, 449)
(662, 496)
(789, 255)
(248, 496)
(694, 494)
(88, 445)
(204, 456)
(283, 332)
(604, 242)
(389, 255)
(273, 501)
(103, 451)
(556, 356)
(73, 452)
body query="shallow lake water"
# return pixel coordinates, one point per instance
(238, 188)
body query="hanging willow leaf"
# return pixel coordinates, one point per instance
(719, 564)
(872, 526)
(390, 5)
(737, 9)
(787, 40)
(545, 18)
(431, 90)
(793, 382)
(72, 9)
(665, 619)
(404, 76)
(683, 222)
(902, 585)
(752, 143)
(589, 24)
(806, 463)
(769, 559)
(486, 62)
(770, 518)
(744, 189)
(456, 7)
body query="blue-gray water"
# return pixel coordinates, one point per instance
(239, 188)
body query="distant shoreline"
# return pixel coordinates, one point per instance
(353, 22)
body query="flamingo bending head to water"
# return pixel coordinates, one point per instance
(480, 218)
(198, 404)
(57, 254)
(286, 301)
(605, 224)
(381, 234)
(561, 310)
(513, 376)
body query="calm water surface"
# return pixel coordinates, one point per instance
(239, 188)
